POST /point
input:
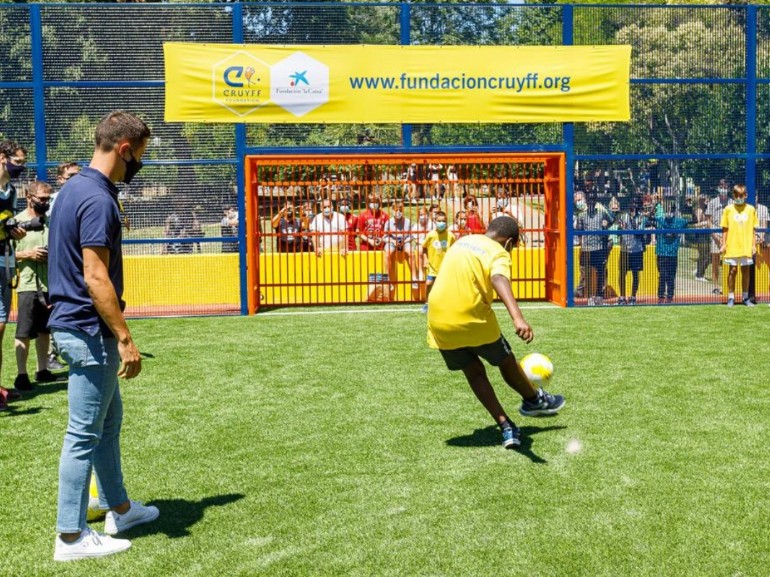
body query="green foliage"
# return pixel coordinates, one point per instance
(282, 453)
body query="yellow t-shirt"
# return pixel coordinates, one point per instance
(740, 223)
(460, 304)
(437, 244)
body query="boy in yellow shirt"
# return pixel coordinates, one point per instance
(464, 328)
(739, 242)
(434, 247)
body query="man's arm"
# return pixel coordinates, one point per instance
(503, 288)
(100, 288)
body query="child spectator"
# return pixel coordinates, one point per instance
(434, 247)
(739, 242)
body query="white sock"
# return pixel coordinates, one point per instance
(745, 296)
(731, 296)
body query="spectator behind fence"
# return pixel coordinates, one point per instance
(328, 229)
(700, 241)
(434, 247)
(579, 208)
(739, 242)
(306, 215)
(714, 210)
(195, 228)
(64, 172)
(228, 227)
(463, 326)
(453, 178)
(33, 303)
(434, 172)
(459, 227)
(350, 223)
(397, 241)
(288, 229)
(371, 224)
(475, 222)
(87, 322)
(594, 249)
(172, 228)
(420, 230)
(632, 248)
(667, 254)
(13, 159)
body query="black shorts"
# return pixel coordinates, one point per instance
(494, 353)
(32, 316)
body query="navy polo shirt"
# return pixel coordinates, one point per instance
(86, 214)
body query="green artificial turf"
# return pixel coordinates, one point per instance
(325, 442)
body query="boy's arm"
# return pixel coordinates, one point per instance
(723, 244)
(503, 288)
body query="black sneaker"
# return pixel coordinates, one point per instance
(546, 404)
(45, 376)
(54, 364)
(22, 383)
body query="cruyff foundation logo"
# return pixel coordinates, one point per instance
(242, 83)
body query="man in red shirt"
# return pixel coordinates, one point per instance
(371, 224)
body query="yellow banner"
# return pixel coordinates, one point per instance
(396, 84)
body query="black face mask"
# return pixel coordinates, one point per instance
(40, 207)
(14, 170)
(132, 167)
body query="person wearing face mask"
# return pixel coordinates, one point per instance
(474, 223)
(350, 223)
(667, 253)
(85, 276)
(713, 213)
(287, 227)
(434, 247)
(328, 229)
(460, 226)
(420, 230)
(397, 241)
(594, 249)
(33, 302)
(463, 326)
(13, 159)
(371, 223)
(739, 242)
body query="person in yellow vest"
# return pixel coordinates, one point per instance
(739, 242)
(463, 326)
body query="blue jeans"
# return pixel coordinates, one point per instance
(93, 430)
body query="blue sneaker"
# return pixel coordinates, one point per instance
(748, 302)
(546, 404)
(730, 302)
(511, 437)
(424, 308)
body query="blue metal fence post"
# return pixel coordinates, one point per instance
(240, 174)
(568, 135)
(406, 38)
(751, 103)
(38, 89)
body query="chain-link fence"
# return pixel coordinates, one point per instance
(699, 97)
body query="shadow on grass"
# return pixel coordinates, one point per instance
(14, 410)
(178, 515)
(490, 436)
(46, 388)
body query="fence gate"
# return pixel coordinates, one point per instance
(369, 249)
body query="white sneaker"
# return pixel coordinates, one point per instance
(136, 515)
(90, 544)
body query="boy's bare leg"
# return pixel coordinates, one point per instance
(516, 379)
(476, 375)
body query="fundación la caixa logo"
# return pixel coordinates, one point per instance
(243, 83)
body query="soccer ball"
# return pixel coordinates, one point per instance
(94, 513)
(538, 368)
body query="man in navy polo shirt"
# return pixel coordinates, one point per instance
(87, 323)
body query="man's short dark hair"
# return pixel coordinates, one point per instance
(118, 125)
(504, 227)
(65, 166)
(11, 147)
